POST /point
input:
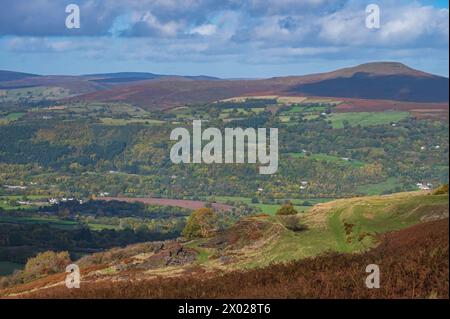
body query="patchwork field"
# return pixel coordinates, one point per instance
(365, 118)
(33, 94)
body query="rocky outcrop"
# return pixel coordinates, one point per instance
(173, 254)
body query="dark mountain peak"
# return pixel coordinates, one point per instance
(378, 80)
(380, 69)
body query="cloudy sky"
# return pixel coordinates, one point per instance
(226, 38)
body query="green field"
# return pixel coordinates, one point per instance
(99, 227)
(55, 222)
(20, 197)
(365, 118)
(379, 188)
(305, 109)
(11, 117)
(271, 209)
(311, 117)
(241, 112)
(7, 268)
(51, 221)
(119, 122)
(5, 205)
(7, 201)
(328, 158)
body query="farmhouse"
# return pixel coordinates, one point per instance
(424, 187)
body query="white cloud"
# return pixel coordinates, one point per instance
(205, 29)
(410, 24)
(267, 31)
(169, 29)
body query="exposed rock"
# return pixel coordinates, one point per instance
(173, 254)
(243, 233)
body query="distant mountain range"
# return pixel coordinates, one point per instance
(122, 77)
(13, 76)
(372, 81)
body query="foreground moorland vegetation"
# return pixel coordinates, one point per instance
(414, 264)
(264, 253)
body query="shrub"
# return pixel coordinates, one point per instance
(200, 224)
(287, 209)
(46, 263)
(292, 222)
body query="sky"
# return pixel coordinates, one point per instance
(224, 38)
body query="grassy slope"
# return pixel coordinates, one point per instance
(366, 216)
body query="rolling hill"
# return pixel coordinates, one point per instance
(414, 262)
(389, 81)
(123, 77)
(372, 81)
(407, 233)
(84, 84)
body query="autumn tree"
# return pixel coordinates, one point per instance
(201, 224)
(46, 263)
(287, 209)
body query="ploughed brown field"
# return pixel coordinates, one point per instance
(189, 204)
(413, 264)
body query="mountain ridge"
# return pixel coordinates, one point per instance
(371, 81)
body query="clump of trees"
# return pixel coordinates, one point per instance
(290, 218)
(201, 224)
(43, 264)
(287, 209)
(47, 263)
(19, 242)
